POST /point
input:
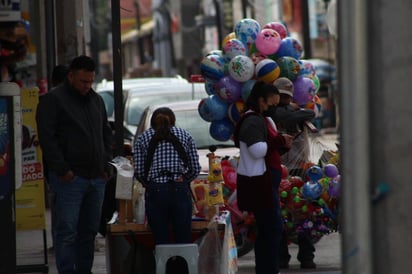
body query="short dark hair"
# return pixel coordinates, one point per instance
(82, 62)
(260, 90)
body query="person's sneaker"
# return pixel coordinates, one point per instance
(308, 265)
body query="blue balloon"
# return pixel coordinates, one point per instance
(221, 130)
(212, 108)
(314, 173)
(246, 89)
(290, 47)
(312, 190)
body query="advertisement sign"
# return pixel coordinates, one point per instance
(30, 198)
(10, 10)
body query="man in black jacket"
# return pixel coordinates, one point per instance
(75, 137)
(291, 118)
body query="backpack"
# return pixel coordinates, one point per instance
(152, 148)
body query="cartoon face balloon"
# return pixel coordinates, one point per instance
(268, 41)
(278, 27)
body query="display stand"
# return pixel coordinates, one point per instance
(29, 198)
(137, 239)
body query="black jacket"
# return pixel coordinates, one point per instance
(74, 133)
(290, 120)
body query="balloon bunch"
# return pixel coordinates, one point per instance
(310, 206)
(252, 53)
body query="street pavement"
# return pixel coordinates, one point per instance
(30, 248)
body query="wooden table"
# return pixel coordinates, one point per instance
(129, 246)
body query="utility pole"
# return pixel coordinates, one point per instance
(117, 78)
(139, 28)
(306, 30)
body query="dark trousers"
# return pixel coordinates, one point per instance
(269, 233)
(168, 206)
(306, 252)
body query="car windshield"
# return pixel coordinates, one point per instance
(199, 129)
(138, 104)
(108, 102)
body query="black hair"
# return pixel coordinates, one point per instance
(82, 62)
(260, 90)
(59, 73)
(162, 120)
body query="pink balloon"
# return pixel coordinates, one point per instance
(279, 27)
(268, 41)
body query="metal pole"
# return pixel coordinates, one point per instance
(218, 20)
(305, 29)
(117, 78)
(139, 28)
(50, 38)
(353, 78)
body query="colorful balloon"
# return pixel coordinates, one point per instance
(278, 27)
(268, 41)
(241, 68)
(289, 67)
(232, 48)
(212, 108)
(221, 130)
(246, 89)
(290, 47)
(314, 173)
(312, 190)
(212, 67)
(304, 90)
(231, 35)
(228, 89)
(306, 68)
(246, 30)
(331, 170)
(235, 111)
(267, 71)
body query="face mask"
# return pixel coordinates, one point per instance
(270, 112)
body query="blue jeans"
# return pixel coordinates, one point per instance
(269, 233)
(78, 206)
(169, 205)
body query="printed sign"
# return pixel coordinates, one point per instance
(30, 198)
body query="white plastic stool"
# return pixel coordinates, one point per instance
(189, 252)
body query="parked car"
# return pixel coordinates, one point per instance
(142, 92)
(106, 88)
(142, 97)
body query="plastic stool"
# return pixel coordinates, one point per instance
(189, 252)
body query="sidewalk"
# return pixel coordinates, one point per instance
(327, 256)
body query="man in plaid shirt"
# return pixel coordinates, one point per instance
(166, 161)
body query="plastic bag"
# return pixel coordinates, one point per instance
(124, 179)
(210, 251)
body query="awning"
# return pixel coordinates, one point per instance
(132, 35)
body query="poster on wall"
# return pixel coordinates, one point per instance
(10, 10)
(30, 198)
